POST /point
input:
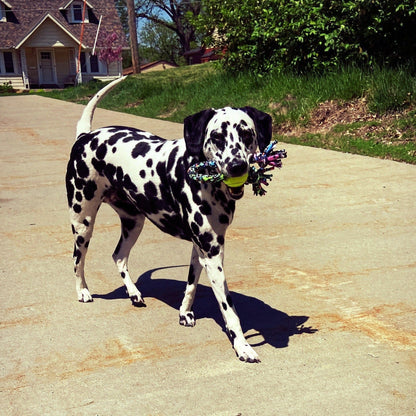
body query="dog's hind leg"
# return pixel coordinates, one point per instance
(131, 228)
(82, 223)
(186, 315)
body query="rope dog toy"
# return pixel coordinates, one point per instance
(266, 161)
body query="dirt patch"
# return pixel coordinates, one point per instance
(331, 114)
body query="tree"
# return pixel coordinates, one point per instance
(108, 53)
(175, 15)
(159, 43)
(133, 36)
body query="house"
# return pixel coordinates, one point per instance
(202, 55)
(151, 66)
(47, 43)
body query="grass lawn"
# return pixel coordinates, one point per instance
(371, 113)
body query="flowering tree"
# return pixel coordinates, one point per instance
(109, 53)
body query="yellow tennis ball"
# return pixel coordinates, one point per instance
(236, 182)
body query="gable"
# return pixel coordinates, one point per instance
(49, 34)
(25, 18)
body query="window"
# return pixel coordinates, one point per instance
(8, 62)
(89, 63)
(76, 12)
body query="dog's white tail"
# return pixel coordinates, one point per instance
(84, 123)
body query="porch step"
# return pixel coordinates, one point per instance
(16, 82)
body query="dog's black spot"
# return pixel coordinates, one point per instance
(232, 334)
(205, 208)
(149, 163)
(172, 159)
(89, 190)
(69, 192)
(73, 229)
(128, 223)
(140, 149)
(161, 170)
(86, 223)
(214, 251)
(220, 239)
(114, 149)
(219, 268)
(101, 151)
(80, 240)
(150, 190)
(142, 173)
(82, 169)
(116, 137)
(223, 219)
(78, 196)
(123, 275)
(119, 174)
(77, 208)
(195, 228)
(94, 144)
(79, 183)
(128, 183)
(77, 256)
(205, 241)
(109, 171)
(198, 218)
(229, 301)
(99, 166)
(191, 275)
(224, 306)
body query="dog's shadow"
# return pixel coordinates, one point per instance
(270, 325)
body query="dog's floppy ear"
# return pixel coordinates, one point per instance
(194, 130)
(263, 123)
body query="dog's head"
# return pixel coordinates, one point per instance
(228, 136)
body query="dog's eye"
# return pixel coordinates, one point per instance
(247, 137)
(218, 140)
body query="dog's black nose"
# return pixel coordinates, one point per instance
(237, 168)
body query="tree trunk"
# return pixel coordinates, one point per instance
(133, 37)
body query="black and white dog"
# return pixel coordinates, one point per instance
(144, 176)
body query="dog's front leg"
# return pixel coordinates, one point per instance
(186, 314)
(215, 271)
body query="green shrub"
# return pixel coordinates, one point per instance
(306, 35)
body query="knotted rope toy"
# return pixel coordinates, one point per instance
(268, 160)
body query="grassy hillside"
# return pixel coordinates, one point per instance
(371, 113)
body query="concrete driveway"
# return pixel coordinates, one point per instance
(322, 270)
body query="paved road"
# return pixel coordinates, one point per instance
(322, 271)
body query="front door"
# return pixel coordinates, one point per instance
(46, 67)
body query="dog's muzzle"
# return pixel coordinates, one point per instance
(237, 177)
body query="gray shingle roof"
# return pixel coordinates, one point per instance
(25, 15)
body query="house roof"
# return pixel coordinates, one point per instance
(24, 17)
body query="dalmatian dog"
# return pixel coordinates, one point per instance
(144, 176)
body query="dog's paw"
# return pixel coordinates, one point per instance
(246, 353)
(84, 296)
(187, 319)
(137, 301)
